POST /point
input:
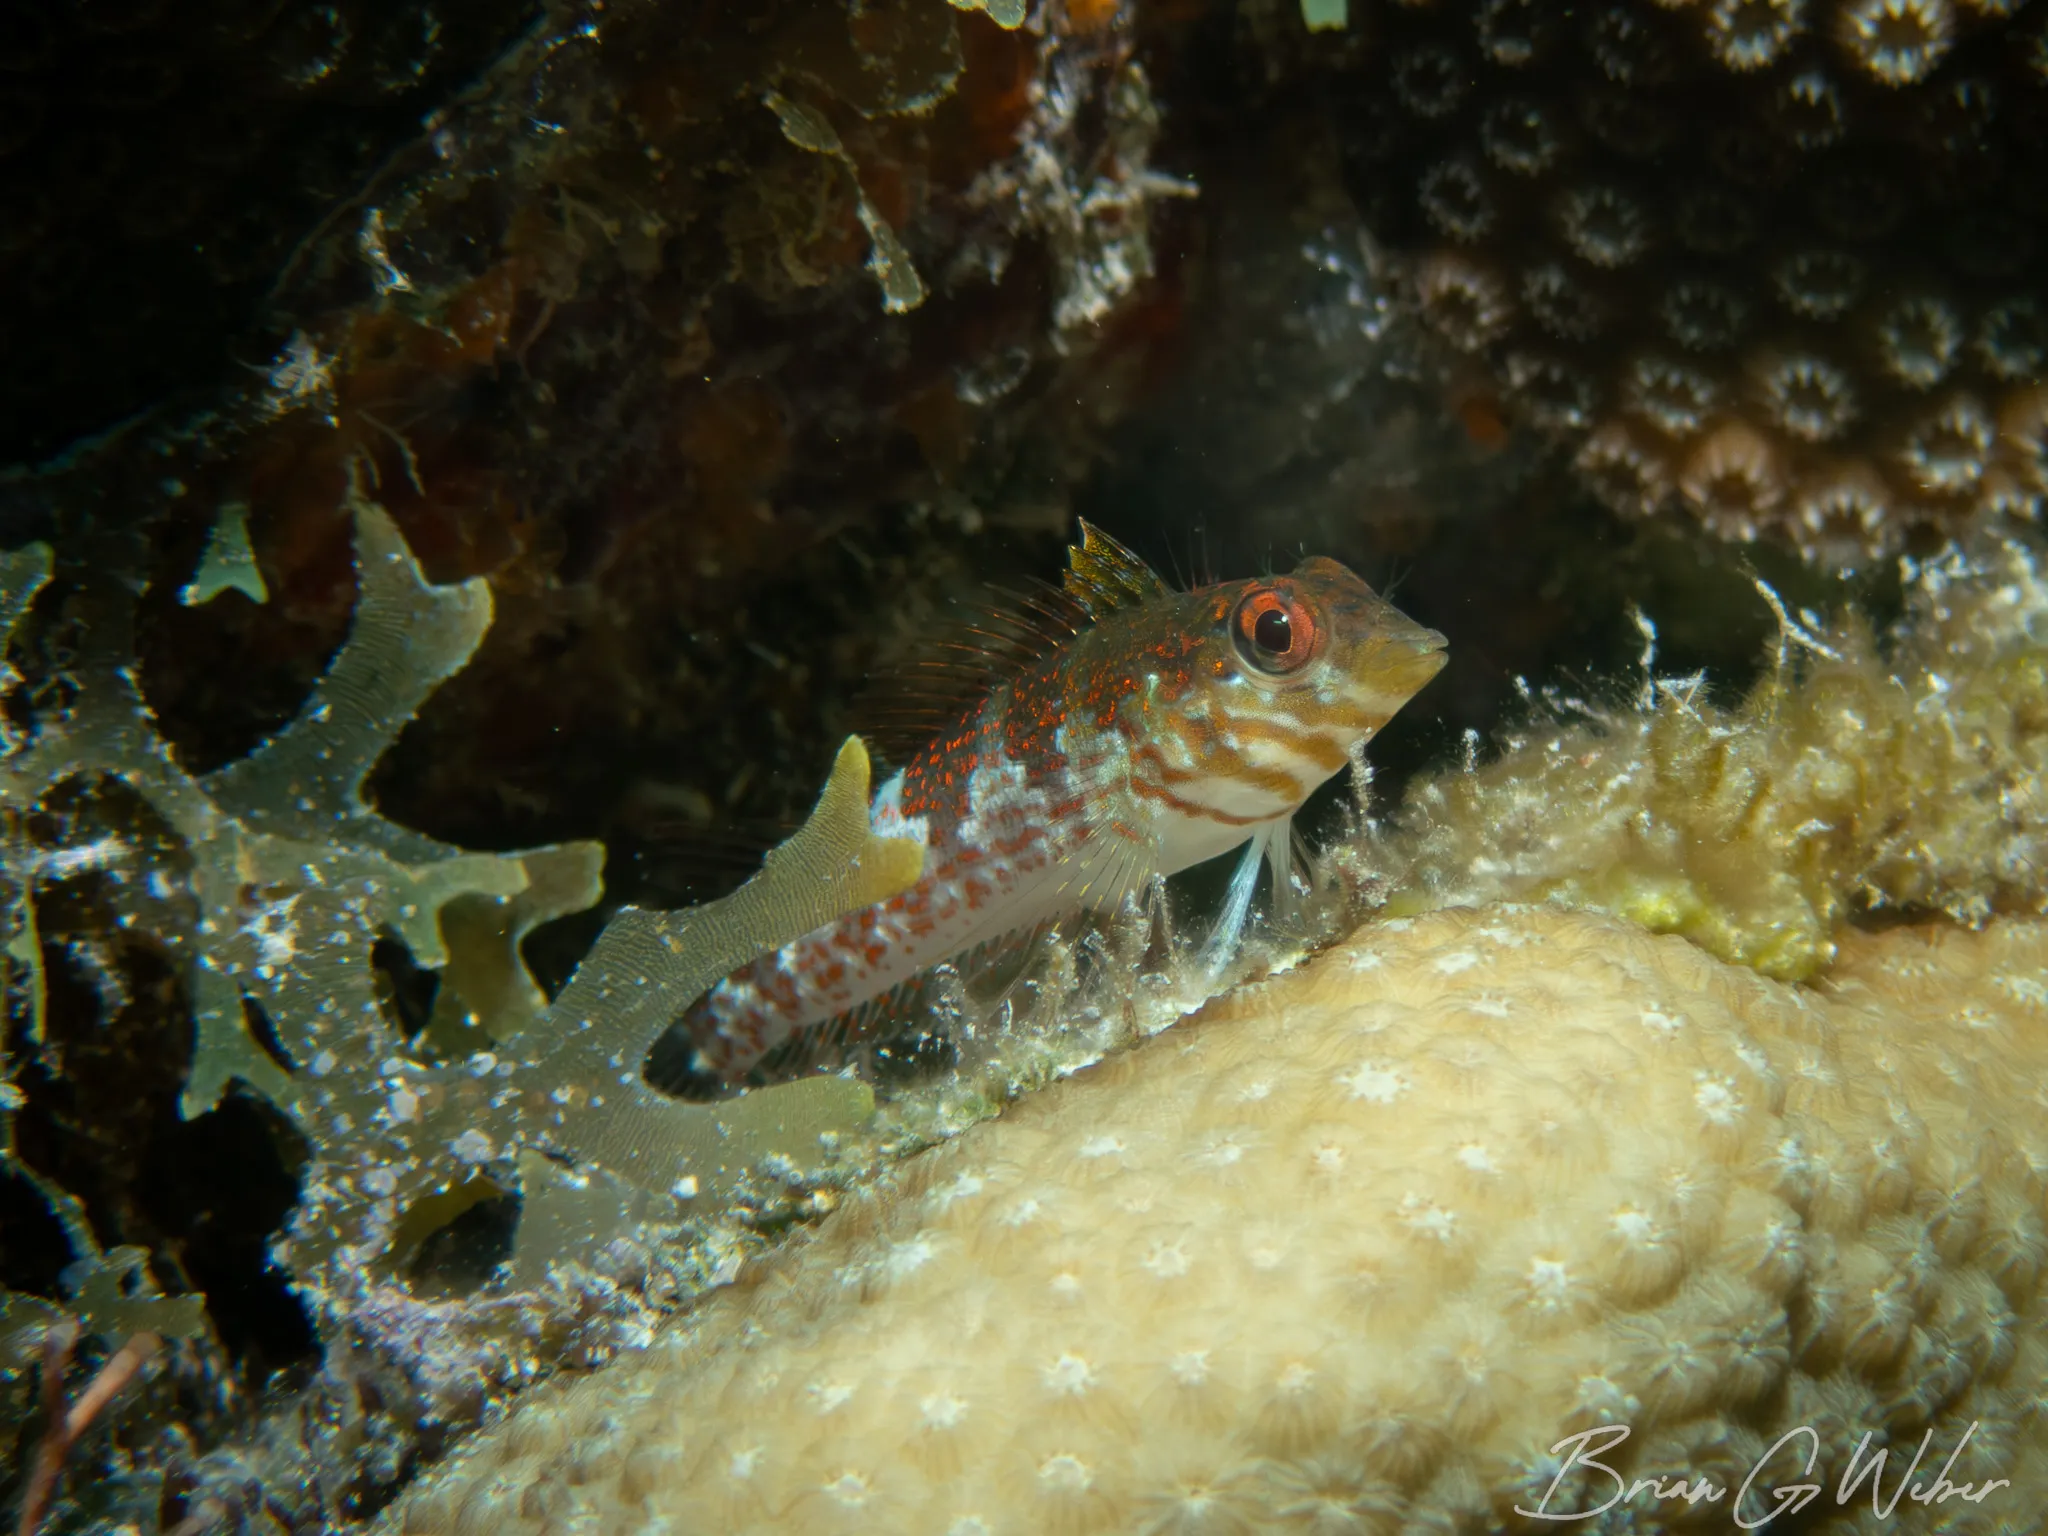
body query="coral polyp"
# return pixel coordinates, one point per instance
(1627, 474)
(2012, 339)
(1604, 225)
(1919, 339)
(1751, 34)
(1702, 315)
(1819, 284)
(1566, 308)
(1733, 481)
(1431, 81)
(1898, 42)
(1554, 392)
(1809, 397)
(1673, 396)
(1456, 200)
(1948, 451)
(1520, 136)
(1810, 110)
(1463, 301)
(1844, 512)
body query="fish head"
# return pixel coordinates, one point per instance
(1280, 681)
(1321, 651)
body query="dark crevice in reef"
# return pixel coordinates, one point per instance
(160, 160)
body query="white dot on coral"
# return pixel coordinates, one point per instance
(849, 1489)
(1168, 1261)
(1026, 1210)
(1065, 1473)
(969, 1525)
(1068, 1376)
(742, 1462)
(1457, 961)
(1255, 1090)
(1792, 1157)
(1635, 1227)
(1753, 1058)
(1066, 1285)
(1716, 1098)
(1815, 1070)
(1102, 1146)
(907, 1257)
(1550, 1284)
(1190, 1367)
(1222, 1152)
(1607, 1401)
(1366, 960)
(2028, 991)
(1295, 1379)
(828, 1395)
(1473, 1155)
(1428, 1218)
(1374, 1083)
(942, 1410)
(1661, 1022)
(1328, 1158)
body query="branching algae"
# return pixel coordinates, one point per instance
(287, 879)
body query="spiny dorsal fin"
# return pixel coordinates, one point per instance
(983, 645)
(1103, 576)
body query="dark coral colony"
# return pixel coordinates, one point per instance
(498, 487)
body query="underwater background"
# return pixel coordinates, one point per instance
(471, 462)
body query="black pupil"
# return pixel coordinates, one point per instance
(1272, 632)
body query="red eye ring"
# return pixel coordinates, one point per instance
(1274, 632)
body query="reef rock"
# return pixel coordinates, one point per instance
(1410, 1238)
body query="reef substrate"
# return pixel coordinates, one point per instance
(1364, 1246)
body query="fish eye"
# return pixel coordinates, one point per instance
(1274, 632)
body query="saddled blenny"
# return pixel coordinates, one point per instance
(1122, 731)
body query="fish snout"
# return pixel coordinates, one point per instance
(1407, 657)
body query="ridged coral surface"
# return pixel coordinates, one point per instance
(1355, 1248)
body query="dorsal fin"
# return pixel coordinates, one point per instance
(1103, 576)
(981, 647)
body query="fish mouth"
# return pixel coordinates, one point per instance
(1411, 661)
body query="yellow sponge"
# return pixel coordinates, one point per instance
(1358, 1249)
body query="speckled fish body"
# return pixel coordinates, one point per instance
(1168, 728)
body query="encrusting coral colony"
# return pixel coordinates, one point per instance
(1773, 263)
(1356, 1248)
(1641, 1118)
